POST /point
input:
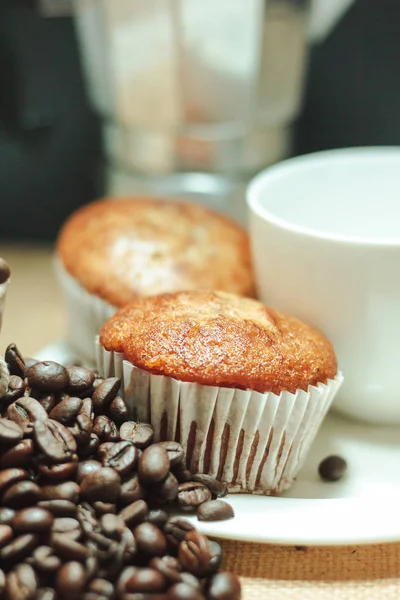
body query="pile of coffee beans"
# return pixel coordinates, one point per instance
(84, 492)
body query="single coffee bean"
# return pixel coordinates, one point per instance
(153, 465)
(128, 539)
(215, 510)
(157, 517)
(118, 411)
(104, 508)
(101, 587)
(6, 535)
(80, 379)
(105, 429)
(45, 593)
(16, 389)
(123, 578)
(6, 515)
(14, 360)
(10, 432)
(47, 376)
(69, 549)
(332, 468)
(216, 560)
(174, 451)
(140, 434)
(81, 429)
(19, 547)
(45, 560)
(131, 490)
(191, 494)
(183, 591)
(32, 520)
(59, 472)
(167, 490)
(59, 508)
(181, 473)
(176, 531)
(103, 485)
(105, 393)
(87, 467)
(87, 409)
(121, 456)
(150, 540)
(67, 526)
(2, 582)
(68, 490)
(19, 455)
(224, 586)
(22, 494)
(10, 476)
(217, 488)
(22, 583)
(147, 581)
(25, 411)
(54, 440)
(48, 401)
(134, 513)
(195, 554)
(112, 526)
(169, 566)
(71, 580)
(90, 448)
(66, 411)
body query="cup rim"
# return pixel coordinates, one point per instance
(258, 184)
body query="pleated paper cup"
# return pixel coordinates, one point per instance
(86, 313)
(255, 443)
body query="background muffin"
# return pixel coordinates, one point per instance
(243, 387)
(112, 251)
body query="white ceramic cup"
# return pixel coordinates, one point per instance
(325, 231)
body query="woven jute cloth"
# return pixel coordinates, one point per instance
(34, 317)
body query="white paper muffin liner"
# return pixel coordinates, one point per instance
(86, 314)
(255, 443)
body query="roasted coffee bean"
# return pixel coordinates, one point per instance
(118, 410)
(169, 566)
(45, 594)
(87, 409)
(80, 379)
(25, 411)
(71, 580)
(224, 586)
(54, 440)
(176, 530)
(87, 467)
(59, 508)
(181, 473)
(140, 434)
(59, 472)
(121, 456)
(167, 490)
(32, 520)
(174, 451)
(19, 547)
(131, 490)
(22, 583)
(10, 432)
(47, 376)
(112, 526)
(104, 508)
(217, 488)
(67, 526)
(147, 581)
(6, 515)
(81, 429)
(195, 554)
(6, 535)
(68, 490)
(45, 560)
(216, 560)
(101, 587)
(215, 510)
(150, 540)
(90, 448)
(2, 582)
(48, 401)
(191, 494)
(16, 389)
(69, 549)
(29, 361)
(134, 513)
(19, 455)
(153, 465)
(22, 494)
(183, 591)
(66, 411)
(14, 360)
(10, 476)
(105, 393)
(103, 485)
(105, 429)
(157, 517)
(332, 468)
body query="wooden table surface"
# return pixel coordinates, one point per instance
(34, 317)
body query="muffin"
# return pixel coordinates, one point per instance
(241, 386)
(111, 252)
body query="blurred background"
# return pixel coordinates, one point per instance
(181, 97)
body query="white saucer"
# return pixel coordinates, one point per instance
(362, 508)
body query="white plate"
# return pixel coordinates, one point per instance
(362, 508)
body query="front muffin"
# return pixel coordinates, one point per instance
(243, 387)
(113, 251)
